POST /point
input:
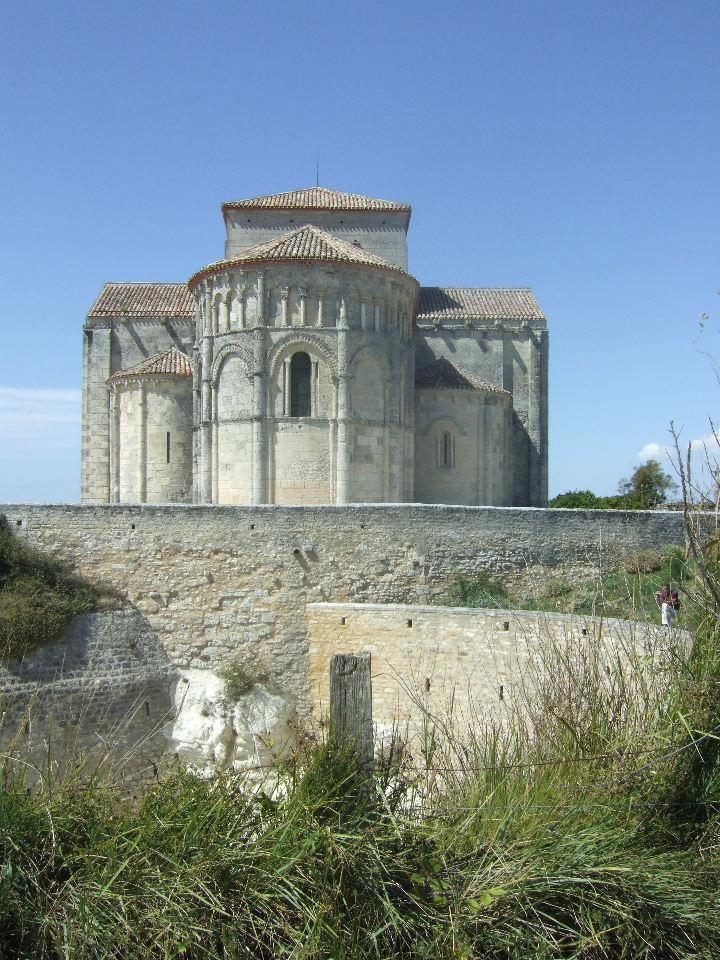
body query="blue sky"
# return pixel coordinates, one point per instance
(570, 146)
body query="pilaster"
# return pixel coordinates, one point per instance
(96, 415)
(534, 419)
(259, 421)
(206, 406)
(142, 442)
(342, 483)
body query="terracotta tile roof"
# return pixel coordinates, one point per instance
(173, 363)
(305, 243)
(144, 300)
(442, 374)
(478, 303)
(315, 198)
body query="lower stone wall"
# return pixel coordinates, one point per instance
(219, 584)
(100, 694)
(462, 665)
(106, 693)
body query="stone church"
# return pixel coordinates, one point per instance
(309, 366)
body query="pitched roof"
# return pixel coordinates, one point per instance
(478, 303)
(442, 374)
(316, 198)
(173, 363)
(305, 243)
(144, 300)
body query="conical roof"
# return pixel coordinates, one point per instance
(307, 243)
(316, 198)
(172, 363)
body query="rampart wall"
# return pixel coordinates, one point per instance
(265, 589)
(219, 583)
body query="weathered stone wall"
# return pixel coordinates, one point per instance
(110, 345)
(383, 233)
(456, 662)
(151, 440)
(103, 689)
(221, 583)
(513, 356)
(479, 424)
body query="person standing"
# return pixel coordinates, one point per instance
(669, 602)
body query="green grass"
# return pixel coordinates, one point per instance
(478, 591)
(627, 592)
(39, 596)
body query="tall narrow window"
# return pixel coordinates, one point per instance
(446, 449)
(167, 446)
(300, 368)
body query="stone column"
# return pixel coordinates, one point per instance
(488, 464)
(215, 448)
(387, 430)
(376, 317)
(320, 321)
(259, 420)
(284, 294)
(206, 455)
(302, 294)
(142, 443)
(342, 484)
(314, 377)
(114, 445)
(286, 387)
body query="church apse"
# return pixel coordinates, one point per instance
(308, 366)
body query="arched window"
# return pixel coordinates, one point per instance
(300, 368)
(446, 449)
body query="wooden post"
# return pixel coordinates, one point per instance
(351, 702)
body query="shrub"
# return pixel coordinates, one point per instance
(644, 561)
(39, 595)
(478, 591)
(240, 679)
(576, 499)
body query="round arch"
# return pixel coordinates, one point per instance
(300, 341)
(230, 350)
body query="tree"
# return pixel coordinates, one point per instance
(576, 499)
(648, 486)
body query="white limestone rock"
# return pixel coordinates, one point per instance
(213, 732)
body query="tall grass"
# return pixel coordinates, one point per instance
(584, 825)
